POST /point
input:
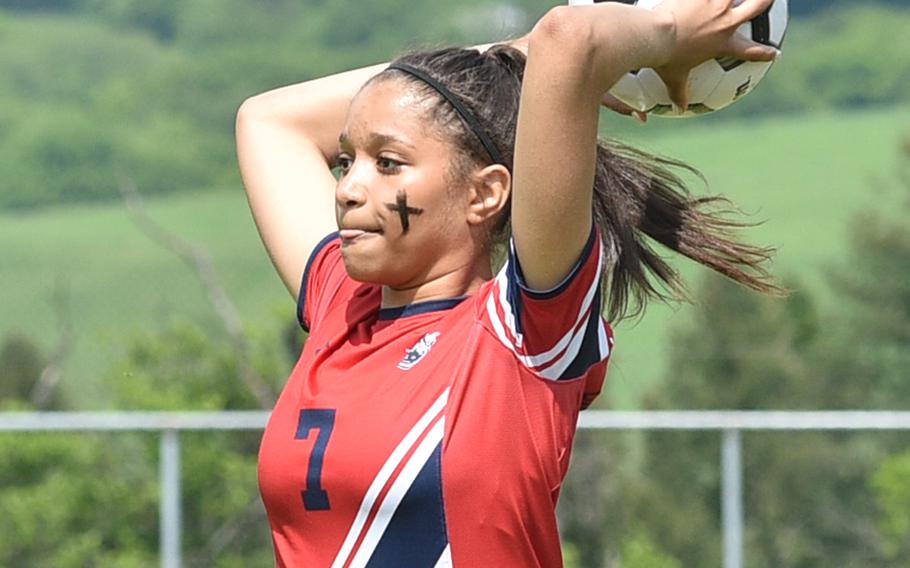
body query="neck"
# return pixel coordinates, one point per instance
(462, 281)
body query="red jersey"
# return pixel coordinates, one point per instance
(434, 434)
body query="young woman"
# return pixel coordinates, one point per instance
(430, 418)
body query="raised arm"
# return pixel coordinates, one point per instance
(286, 140)
(575, 55)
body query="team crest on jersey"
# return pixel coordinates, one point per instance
(413, 355)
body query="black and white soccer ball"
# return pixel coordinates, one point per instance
(714, 84)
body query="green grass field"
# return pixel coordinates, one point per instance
(804, 175)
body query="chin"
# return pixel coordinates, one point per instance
(362, 268)
(370, 269)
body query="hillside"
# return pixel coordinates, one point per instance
(93, 89)
(790, 171)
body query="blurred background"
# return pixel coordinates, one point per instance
(132, 278)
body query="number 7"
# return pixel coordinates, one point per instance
(322, 419)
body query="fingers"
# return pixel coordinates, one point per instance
(750, 9)
(622, 108)
(678, 89)
(748, 50)
(616, 105)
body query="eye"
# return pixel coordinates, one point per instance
(388, 165)
(342, 163)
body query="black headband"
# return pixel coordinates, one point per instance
(462, 110)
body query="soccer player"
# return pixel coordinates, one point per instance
(430, 418)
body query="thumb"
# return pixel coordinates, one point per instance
(748, 50)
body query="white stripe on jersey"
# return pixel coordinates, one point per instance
(569, 344)
(388, 468)
(445, 559)
(502, 283)
(399, 488)
(603, 338)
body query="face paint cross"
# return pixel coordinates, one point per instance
(404, 212)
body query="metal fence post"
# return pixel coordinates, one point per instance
(732, 498)
(170, 498)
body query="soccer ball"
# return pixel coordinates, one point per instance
(714, 84)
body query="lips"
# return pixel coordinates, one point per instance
(351, 234)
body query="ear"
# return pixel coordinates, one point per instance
(489, 191)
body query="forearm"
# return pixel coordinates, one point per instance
(316, 109)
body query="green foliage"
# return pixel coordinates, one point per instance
(737, 334)
(640, 551)
(807, 501)
(121, 281)
(802, 179)
(851, 56)
(65, 60)
(74, 119)
(875, 289)
(892, 488)
(186, 368)
(157, 17)
(70, 498)
(183, 367)
(570, 556)
(93, 88)
(42, 5)
(21, 362)
(804, 7)
(591, 519)
(149, 88)
(812, 499)
(59, 155)
(81, 499)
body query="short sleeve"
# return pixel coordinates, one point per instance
(559, 334)
(322, 279)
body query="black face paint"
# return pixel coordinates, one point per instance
(404, 212)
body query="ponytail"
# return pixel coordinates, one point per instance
(638, 199)
(638, 195)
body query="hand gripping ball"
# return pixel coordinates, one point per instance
(714, 84)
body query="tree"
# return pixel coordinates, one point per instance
(811, 499)
(21, 363)
(875, 284)
(71, 500)
(806, 495)
(892, 489)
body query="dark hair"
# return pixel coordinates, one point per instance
(636, 194)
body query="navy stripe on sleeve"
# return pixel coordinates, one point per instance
(589, 353)
(517, 283)
(301, 297)
(561, 287)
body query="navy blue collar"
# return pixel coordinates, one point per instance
(419, 308)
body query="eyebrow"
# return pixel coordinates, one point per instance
(378, 139)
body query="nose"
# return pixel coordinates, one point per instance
(350, 192)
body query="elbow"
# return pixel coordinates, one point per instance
(252, 113)
(563, 43)
(242, 117)
(565, 31)
(248, 109)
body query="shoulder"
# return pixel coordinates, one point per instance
(559, 333)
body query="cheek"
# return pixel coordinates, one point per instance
(441, 207)
(437, 222)
(414, 207)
